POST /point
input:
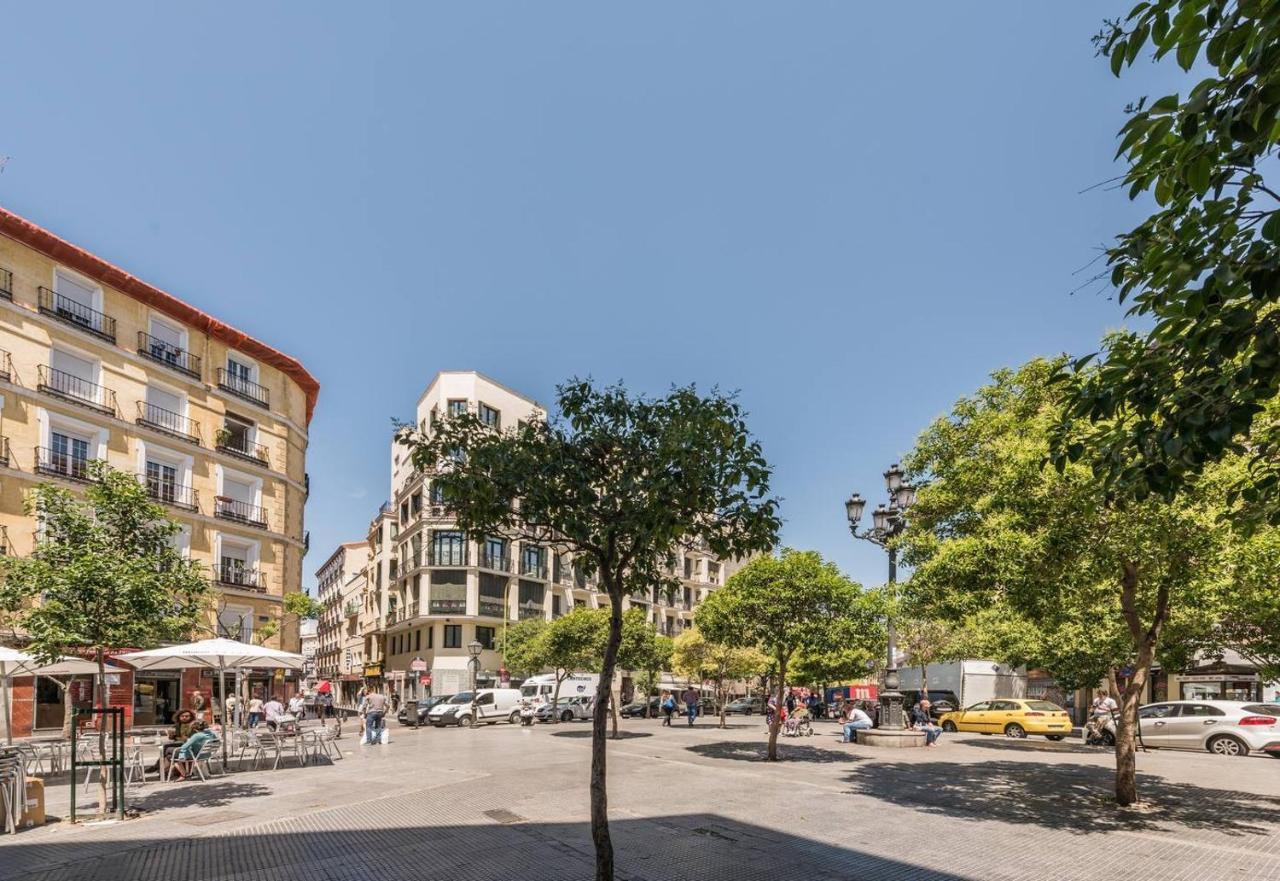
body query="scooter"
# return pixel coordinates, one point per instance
(1101, 731)
(526, 714)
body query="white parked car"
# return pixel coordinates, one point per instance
(492, 705)
(1226, 728)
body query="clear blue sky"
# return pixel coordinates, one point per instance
(851, 212)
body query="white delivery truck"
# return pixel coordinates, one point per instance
(965, 682)
(542, 687)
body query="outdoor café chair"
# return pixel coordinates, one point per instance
(203, 762)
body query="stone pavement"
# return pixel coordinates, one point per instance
(507, 802)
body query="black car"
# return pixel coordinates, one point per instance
(939, 701)
(424, 706)
(640, 708)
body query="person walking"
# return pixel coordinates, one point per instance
(375, 710)
(255, 710)
(856, 720)
(668, 708)
(691, 697)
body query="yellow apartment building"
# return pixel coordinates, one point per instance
(96, 364)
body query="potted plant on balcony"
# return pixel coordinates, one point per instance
(222, 437)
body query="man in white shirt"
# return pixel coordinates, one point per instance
(273, 710)
(1103, 708)
(856, 720)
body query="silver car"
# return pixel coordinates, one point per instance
(1227, 728)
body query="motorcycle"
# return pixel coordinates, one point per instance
(1101, 731)
(526, 714)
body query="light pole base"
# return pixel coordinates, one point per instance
(900, 739)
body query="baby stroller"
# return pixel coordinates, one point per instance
(797, 724)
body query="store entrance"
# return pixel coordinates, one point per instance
(156, 699)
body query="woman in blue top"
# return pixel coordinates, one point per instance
(185, 760)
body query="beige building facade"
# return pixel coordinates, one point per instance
(96, 364)
(341, 583)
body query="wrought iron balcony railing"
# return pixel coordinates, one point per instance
(61, 464)
(492, 608)
(78, 390)
(76, 314)
(6, 366)
(496, 562)
(240, 576)
(184, 497)
(243, 388)
(4, 452)
(447, 555)
(533, 568)
(241, 447)
(167, 421)
(448, 606)
(6, 284)
(168, 354)
(239, 512)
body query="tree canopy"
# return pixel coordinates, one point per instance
(1203, 269)
(696, 657)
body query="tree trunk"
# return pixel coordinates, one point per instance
(720, 699)
(614, 699)
(1145, 642)
(924, 682)
(776, 725)
(67, 706)
(555, 699)
(599, 722)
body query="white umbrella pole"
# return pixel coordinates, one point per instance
(226, 728)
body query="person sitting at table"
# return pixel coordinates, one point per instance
(178, 734)
(184, 761)
(274, 712)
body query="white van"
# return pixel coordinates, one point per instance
(492, 705)
(540, 688)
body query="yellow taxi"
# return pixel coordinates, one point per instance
(1012, 717)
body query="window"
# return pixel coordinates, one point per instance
(688, 567)
(979, 708)
(448, 548)
(530, 597)
(79, 293)
(415, 503)
(239, 371)
(404, 512)
(485, 699)
(484, 636)
(431, 637)
(490, 417)
(235, 564)
(457, 406)
(532, 561)
(1004, 706)
(453, 636)
(1200, 710)
(555, 605)
(162, 481)
(69, 454)
(1157, 711)
(74, 376)
(236, 434)
(236, 622)
(417, 640)
(494, 554)
(166, 343)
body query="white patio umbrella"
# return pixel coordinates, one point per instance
(12, 662)
(215, 654)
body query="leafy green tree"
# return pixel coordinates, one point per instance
(104, 575)
(1203, 270)
(927, 641)
(522, 646)
(783, 605)
(297, 606)
(642, 650)
(617, 481)
(1116, 579)
(573, 641)
(696, 657)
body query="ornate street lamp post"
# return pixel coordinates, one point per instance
(887, 522)
(474, 647)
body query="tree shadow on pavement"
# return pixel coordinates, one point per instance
(1072, 797)
(214, 794)
(756, 752)
(586, 734)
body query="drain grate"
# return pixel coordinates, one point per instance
(502, 815)
(712, 833)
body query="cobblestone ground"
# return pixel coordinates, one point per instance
(507, 802)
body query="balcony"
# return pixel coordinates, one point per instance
(6, 548)
(239, 512)
(527, 610)
(448, 555)
(184, 497)
(70, 387)
(62, 464)
(351, 609)
(6, 284)
(496, 562)
(168, 422)
(238, 445)
(243, 388)
(169, 355)
(492, 608)
(241, 576)
(6, 366)
(448, 606)
(394, 615)
(77, 314)
(4, 452)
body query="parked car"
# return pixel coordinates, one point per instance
(424, 707)
(1011, 717)
(1226, 728)
(941, 701)
(492, 705)
(744, 705)
(566, 710)
(640, 708)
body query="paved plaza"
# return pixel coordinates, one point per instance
(508, 802)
